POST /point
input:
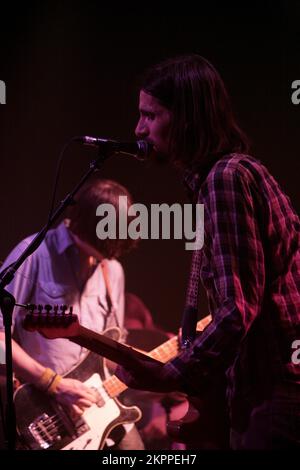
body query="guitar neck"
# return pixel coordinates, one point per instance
(171, 348)
(120, 353)
(163, 353)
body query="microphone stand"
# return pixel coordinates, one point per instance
(7, 301)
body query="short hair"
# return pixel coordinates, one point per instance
(203, 124)
(83, 220)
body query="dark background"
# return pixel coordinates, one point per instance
(71, 68)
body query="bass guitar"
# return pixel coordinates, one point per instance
(42, 423)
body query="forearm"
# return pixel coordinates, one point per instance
(25, 367)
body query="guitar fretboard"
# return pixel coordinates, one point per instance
(163, 353)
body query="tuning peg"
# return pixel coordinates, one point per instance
(55, 309)
(32, 316)
(40, 309)
(48, 308)
(63, 309)
(32, 308)
(71, 317)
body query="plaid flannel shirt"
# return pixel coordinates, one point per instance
(250, 268)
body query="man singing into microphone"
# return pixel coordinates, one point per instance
(139, 149)
(249, 264)
(72, 267)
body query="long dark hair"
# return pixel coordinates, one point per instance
(203, 124)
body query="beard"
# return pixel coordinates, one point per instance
(159, 158)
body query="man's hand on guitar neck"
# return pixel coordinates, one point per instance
(155, 377)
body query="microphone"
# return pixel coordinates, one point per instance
(139, 149)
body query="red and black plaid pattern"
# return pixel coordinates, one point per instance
(250, 268)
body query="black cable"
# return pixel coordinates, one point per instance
(55, 186)
(57, 176)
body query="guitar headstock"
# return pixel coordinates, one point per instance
(52, 321)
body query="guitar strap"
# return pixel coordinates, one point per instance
(109, 297)
(190, 313)
(194, 180)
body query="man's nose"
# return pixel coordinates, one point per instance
(141, 130)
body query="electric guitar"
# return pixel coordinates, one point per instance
(42, 423)
(206, 423)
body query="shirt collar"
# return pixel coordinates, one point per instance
(191, 179)
(195, 176)
(64, 238)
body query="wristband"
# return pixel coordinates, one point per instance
(46, 378)
(52, 387)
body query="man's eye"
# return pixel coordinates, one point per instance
(146, 115)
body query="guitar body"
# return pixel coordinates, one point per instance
(42, 423)
(206, 423)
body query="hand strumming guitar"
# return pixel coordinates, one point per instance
(69, 392)
(75, 395)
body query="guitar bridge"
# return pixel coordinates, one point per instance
(55, 431)
(45, 430)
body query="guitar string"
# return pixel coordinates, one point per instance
(54, 419)
(54, 424)
(113, 384)
(50, 433)
(34, 282)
